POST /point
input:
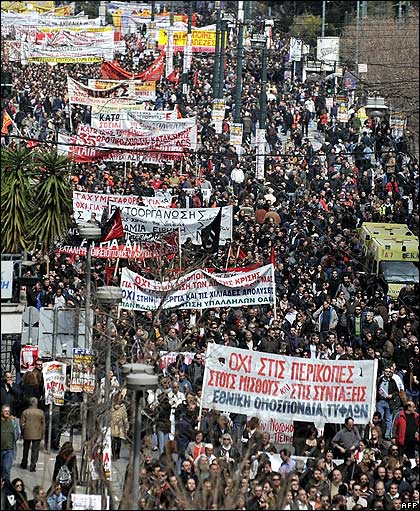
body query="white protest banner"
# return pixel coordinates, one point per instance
(54, 374)
(138, 220)
(73, 148)
(169, 357)
(82, 502)
(84, 203)
(140, 90)
(281, 431)
(6, 279)
(72, 44)
(121, 118)
(82, 378)
(118, 95)
(173, 141)
(269, 386)
(134, 122)
(260, 157)
(343, 108)
(199, 290)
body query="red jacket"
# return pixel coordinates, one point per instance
(400, 427)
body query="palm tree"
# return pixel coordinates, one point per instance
(52, 215)
(17, 173)
(36, 199)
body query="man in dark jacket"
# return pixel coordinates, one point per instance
(10, 393)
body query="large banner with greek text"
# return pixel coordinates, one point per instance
(199, 289)
(269, 386)
(139, 220)
(118, 95)
(71, 44)
(86, 203)
(144, 125)
(142, 91)
(201, 40)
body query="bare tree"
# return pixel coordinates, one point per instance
(390, 48)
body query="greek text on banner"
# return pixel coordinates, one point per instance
(267, 386)
(198, 290)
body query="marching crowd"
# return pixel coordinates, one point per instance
(315, 193)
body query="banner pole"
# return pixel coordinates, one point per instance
(274, 292)
(179, 249)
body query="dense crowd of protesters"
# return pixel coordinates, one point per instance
(316, 191)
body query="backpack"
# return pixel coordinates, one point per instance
(64, 477)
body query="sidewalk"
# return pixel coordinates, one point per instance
(45, 468)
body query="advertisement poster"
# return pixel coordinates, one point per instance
(82, 377)
(54, 374)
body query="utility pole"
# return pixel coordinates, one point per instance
(170, 51)
(364, 9)
(239, 61)
(221, 81)
(187, 51)
(216, 53)
(357, 30)
(263, 92)
(324, 3)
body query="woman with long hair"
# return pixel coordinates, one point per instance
(65, 470)
(20, 494)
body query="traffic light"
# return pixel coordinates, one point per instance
(329, 87)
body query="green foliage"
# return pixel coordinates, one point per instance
(16, 198)
(36, 199)
(51, 217)
(307, 27)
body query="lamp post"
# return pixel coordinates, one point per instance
(221, 80)
(239, 61)
(90, 232)
(324, 3)
(139, 377)
(259, 42)
(216, 52)
(108, 296)
(187, 51)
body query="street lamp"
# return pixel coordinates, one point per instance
(90, 232)
(139, 377)
(216, 65)
(259, 42)
(107, 296)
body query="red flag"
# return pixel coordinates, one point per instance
(272, 256)
(109, 270)
(174, 76)
(241, 254)
(195, 79)
(7, 121)
(32, 143)
(113, 229)
(113, 71)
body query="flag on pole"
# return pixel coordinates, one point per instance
(174, 76)
(241, 254)
(113, 228)
(7, 121)
(210, 235)
(272, 256)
